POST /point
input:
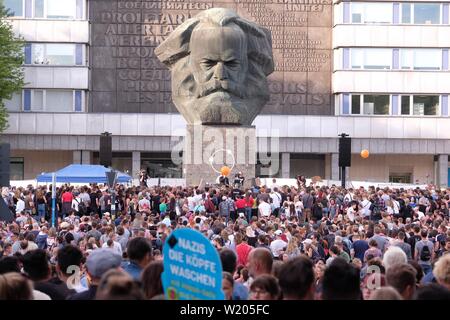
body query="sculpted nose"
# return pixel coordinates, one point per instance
(219, 72)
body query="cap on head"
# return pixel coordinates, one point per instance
(100, 261)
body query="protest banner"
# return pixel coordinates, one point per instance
(192, 267)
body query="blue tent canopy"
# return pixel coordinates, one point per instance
(82, 173)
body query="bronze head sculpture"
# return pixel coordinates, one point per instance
(219, 63)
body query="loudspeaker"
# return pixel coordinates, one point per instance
(345, 152)
(5, 214)
(4, 164)
(106, 149)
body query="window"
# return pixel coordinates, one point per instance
(376, 104)
(421, 59)
(427, 59)
(371, 58)
(400, 177)
(372, 104)
(427, 13)
(57, 9)
(421, 13)
(53, 100)
(406, 13)
(425, 105)
(16, 168)
(420, 105)
(357, 56)
(15, 103)
(15, 7)
(39, 9)
(59, 101)
(371, 12)
(37, 100)
(56, 54)
(356, 104)
(406, 103)
(46, 9)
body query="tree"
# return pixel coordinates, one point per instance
(11, 60)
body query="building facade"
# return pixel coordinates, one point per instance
(376, 70)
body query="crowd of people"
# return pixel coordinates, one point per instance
(275, 242)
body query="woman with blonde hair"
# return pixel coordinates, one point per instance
(292, 249)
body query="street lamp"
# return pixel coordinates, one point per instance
(111, 176)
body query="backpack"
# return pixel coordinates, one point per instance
(81, 207)
(425, 255)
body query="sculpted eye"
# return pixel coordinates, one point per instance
(232, 63)
(208, 63)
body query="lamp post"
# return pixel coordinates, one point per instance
(53, 199)
(111, 176)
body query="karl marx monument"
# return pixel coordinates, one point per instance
(219, 64)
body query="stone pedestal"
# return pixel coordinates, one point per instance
(210, 147)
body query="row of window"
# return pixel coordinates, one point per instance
(386, 104)
(55, 54)
(47, 100)
(47, 9)
(394, 58)
(396, 13)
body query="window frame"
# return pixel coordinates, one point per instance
(363, 50)
(363, 14)
(44, 101)
(412, 13)
(361, 105)
(411, 105)
(84, 6)
(23, 11)
(413, 53)
(44, 44)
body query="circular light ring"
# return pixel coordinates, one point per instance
(211, 159)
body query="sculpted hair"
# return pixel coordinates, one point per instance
(177, 45)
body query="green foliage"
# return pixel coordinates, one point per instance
(11, 60)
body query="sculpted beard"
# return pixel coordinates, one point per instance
(214, 85)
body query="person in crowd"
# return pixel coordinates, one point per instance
(265, 287)
(341, 281)
(140, 254)
(227, 285)
(262, 229)
(118, 285)
(151, 280)
(385, 293)
(14, 286)
(296, 279)
(403, 278)
(229, 264)
(98, 263)
(260, 262)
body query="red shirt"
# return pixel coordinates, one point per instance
(242, 252)
(67, 197)
(250, 202)
(240, 204)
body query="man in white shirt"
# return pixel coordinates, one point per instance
(278, 245)
(276, 200)
(395, 207)
(365, 207)
(264, 209)
(20, 206)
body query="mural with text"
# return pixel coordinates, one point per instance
(127, 77)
